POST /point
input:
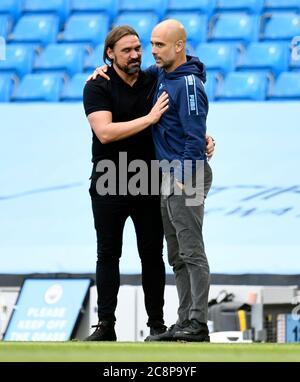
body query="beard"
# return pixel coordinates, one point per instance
(163, 64)
(130, 69)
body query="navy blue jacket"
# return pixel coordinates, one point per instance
(180, 133)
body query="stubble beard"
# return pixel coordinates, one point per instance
(129, 70)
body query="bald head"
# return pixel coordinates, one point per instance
(168, 40)
(171, 29)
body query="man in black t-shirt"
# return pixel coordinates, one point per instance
(120, 112)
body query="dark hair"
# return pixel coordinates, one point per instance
(114, 36)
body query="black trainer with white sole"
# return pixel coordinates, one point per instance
(168, 335)
(195, 332)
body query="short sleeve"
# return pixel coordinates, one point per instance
(96, 97)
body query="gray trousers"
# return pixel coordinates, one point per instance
(186, 253)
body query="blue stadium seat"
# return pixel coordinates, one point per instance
(39, 87)
(11, 7)
(36, 29)
(6, 86)
(2, 49)
(194, 23)
(285, 5)
(61, 8)
(157, 6)
(203, 6)
(294, 62)
(142, 22)
(73, 89)
(286, 87)
(251, 6)
(110, 7)
(94, 59)
(280, 26)
(5, 25)
(88, 28)
(265, 56)
(212, 78)
(234, 27)
(147, 58)
(250, 86)
(217, 56)
(19, 59)
(61, 58)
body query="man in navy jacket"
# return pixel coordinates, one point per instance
(179, 138)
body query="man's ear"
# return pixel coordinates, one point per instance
(110, 53)
(179, 46)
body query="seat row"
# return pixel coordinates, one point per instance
(69, 59)
(63, 8)
(92, 27)
(245, 86)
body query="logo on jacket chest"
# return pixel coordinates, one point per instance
(161, 88)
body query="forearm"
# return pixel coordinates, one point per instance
(116, 131)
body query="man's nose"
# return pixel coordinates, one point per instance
(134, 54)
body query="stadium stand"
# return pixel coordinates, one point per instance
(93, 58)
(39, 87)
(250, 6)
(239, 27)
(142, 22)
(13, 8)
(294, 61)
(287, 87)
(73, 89)
(147, 58)
(87, 28)
(229, 36)
(19, 59)
(265, 56)
(280, 26)
(212, 78)
(66, 58)
(60, 8)
(218, 56)
(204, 6)
(195, 25)
(159, 7)
(6, 86)
(109, 7)
(40, 29)
(242, 86)
(5, 25)
(280, 5)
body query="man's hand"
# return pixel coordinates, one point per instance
(99, 71)
(159, 108)
(210, 146)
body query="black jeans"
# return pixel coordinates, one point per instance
(110, 213)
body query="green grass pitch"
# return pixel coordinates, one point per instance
(146, 352)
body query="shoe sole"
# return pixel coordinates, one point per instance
(192, 339)
(170, 339)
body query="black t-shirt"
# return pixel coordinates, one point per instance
(125, 103)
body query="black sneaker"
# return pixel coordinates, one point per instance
(105, 331)
(167, 335)
(195, 332)
(157, 330)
